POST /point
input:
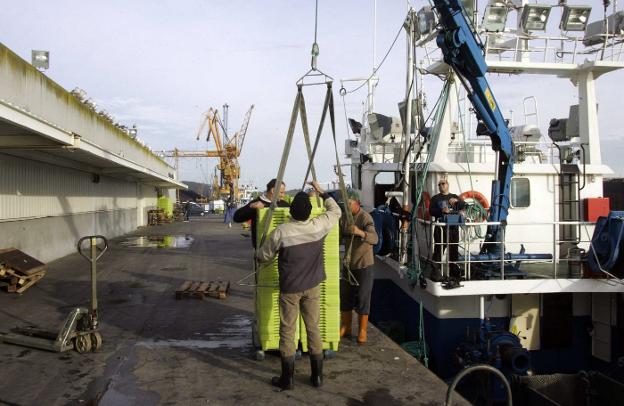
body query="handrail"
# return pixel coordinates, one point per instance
(467, 247)
(510, 46)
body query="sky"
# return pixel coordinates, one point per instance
(162, 64)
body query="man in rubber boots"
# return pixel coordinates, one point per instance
(301, 270)
(362, 237)
(248, 212)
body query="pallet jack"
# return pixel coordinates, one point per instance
(79, 330)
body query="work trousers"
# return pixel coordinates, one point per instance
(309, 303)
(357, 298)
(443, 236)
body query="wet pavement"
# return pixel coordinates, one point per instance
(161, 351)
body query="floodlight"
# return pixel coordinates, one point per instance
(494, 18)
(40, 59)
(426, 21)
(534, 17)
(574, 18)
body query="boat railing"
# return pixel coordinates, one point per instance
(531, 250)
(526, 151)
(559, 49)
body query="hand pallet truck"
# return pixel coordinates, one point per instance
(79, 330)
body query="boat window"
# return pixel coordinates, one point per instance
(384, 182)
(520, 192)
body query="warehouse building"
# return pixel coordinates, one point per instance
(65, 170)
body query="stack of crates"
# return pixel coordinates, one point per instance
(267, 287)
(267, 291)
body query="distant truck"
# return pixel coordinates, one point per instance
(216, 206)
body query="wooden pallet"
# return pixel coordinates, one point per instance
(19, 261)
(199, 289)
(16, 282)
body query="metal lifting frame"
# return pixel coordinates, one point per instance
(299, 109)
(463, 51)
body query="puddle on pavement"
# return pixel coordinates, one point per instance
(158, 241)
(236, 335)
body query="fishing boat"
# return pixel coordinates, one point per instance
(542, 300)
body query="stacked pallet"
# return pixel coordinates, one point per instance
(19, 271)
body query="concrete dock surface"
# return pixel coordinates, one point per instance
(161, 351)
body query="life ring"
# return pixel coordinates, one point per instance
(473, 194)
(423, 213)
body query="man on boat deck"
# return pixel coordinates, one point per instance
(248, 211)
(301, 270)
(440, 205)
(362, 237)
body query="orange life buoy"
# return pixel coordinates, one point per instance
(473, 194)
(420, 212)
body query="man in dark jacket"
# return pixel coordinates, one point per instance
(248, 212)
(442, 204)
(301, 270)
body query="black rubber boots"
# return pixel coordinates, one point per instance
(286, 381)
(316, 365)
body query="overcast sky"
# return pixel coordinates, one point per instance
(161, 64)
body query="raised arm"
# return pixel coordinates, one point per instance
(268, 250)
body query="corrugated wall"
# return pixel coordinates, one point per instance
(30, 189)
(45, 209)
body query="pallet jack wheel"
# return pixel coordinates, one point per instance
(82, 344)
(259, 355)
(96, 341)
(298, 354)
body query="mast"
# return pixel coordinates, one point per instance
(410, 26)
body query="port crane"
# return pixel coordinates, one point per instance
(227, 149)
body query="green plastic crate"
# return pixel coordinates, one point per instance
(267, 291)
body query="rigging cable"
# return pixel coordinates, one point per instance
(380, 63)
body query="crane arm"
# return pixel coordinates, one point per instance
(243, 131)
(463, 52)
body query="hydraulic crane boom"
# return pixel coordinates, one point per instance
(464, 53)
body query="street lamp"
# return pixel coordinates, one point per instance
(534, 17)
(574, 18)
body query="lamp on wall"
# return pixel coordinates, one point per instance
(40, 59)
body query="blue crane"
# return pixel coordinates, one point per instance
(463, 51)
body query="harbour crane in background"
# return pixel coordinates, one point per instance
(227, 149)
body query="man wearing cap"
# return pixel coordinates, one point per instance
(301, 270)
(361, 236)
